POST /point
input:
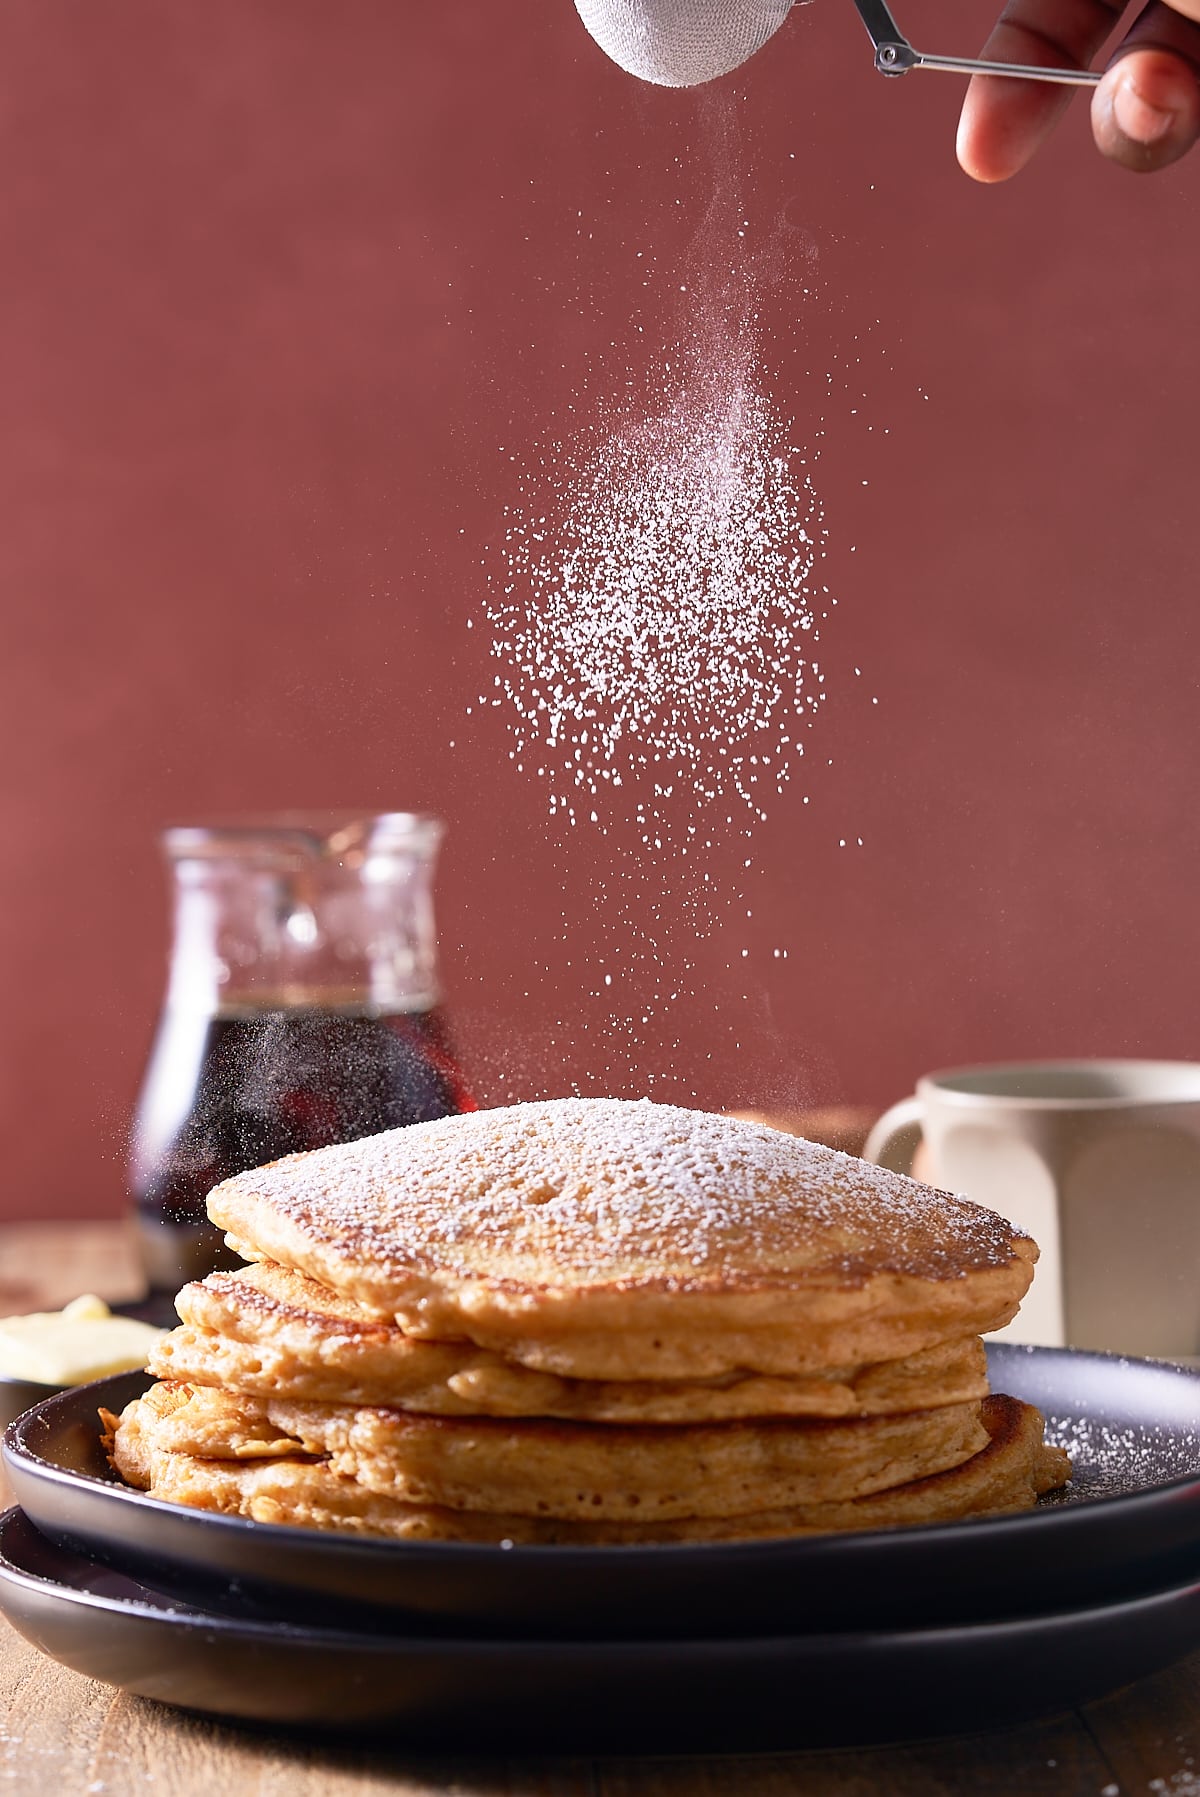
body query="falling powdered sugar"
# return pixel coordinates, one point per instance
(657, 622)
(656, 599)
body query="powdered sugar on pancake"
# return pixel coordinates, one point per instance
(608, 1190)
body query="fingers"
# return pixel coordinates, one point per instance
(1189, 9)
(1003, 121)
(1146, 111)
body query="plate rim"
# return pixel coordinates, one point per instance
(181, 1614)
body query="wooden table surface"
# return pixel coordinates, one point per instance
(62, 1733)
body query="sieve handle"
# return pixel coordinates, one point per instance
(894, 55)
(898, 59)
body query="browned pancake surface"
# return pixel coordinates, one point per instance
(268, 1331)
(1009, 1473)
(535, 1467)
(601, 1238)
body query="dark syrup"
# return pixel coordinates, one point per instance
(227, 1093)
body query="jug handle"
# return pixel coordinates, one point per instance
(894, 1140)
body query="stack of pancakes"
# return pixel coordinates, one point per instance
(591, 1320)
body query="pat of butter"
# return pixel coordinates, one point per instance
(68, 1347)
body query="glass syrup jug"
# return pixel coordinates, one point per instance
(302, 1008)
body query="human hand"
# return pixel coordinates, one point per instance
(1145, 112)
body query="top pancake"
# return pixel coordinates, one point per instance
(608, 1239)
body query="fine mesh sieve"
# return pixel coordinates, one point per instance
(683, 43)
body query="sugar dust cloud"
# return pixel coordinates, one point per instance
(656, 605)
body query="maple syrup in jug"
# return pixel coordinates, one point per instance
(302, 1009)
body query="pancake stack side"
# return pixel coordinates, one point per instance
(591, 1320)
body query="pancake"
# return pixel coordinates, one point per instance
(270, 1332)
(611, 1240)
(1009, 1473)
(534, 1467)
(591, 1320)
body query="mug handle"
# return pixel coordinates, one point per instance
(894, 1141)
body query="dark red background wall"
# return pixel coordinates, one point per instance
(285, 284)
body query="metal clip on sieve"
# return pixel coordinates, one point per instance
(894, 55)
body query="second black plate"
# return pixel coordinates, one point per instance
(1130, 1522)
(582, 1696)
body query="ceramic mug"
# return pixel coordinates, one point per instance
(1099, 1161)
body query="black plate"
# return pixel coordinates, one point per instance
(575, 1696)
(1130, 1522)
